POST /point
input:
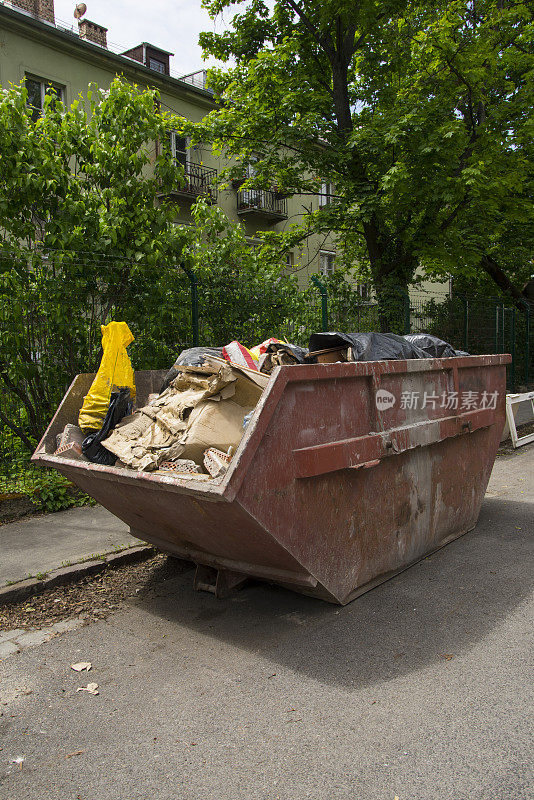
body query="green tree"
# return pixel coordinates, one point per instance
(245, 291)
(420, 115)
(88, 234)
(81, 233)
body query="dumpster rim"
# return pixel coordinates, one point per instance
(124, 475)
(229, 486)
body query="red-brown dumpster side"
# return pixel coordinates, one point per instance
(346, 474)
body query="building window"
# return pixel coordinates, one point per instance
(38, 89)
(364, 291)
(326, 194)
(250, 171)
(326, 262)
(252, 197)
(289, 260)
(179, 149)
(157, 66)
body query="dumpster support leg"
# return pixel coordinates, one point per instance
(220, 582)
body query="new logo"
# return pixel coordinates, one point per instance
(384, 399)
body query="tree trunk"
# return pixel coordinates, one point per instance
(497, 274)
(393, 305)
(392, 268)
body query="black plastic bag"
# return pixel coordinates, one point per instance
(120, 405)
(193, 357)
(433, 346)
(367, 346)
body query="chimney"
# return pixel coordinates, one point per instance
(92, 32)
(42, 9)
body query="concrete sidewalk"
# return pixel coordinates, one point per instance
(42, 544)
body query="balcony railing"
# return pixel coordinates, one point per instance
(264, 202)
(197, 79)
(198, 180)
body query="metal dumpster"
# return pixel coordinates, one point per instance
(347, 474)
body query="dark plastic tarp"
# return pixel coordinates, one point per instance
(435, 347)
(120, 405)
(367, 346)
(383, 346)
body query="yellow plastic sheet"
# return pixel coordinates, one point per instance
(115, 371)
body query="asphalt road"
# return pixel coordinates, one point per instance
(420, 689)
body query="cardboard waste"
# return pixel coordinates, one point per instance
(202, 407)
(192, 357)
(279, 354)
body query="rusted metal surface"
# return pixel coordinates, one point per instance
(220, 582)
(366, 451)
(327, 494)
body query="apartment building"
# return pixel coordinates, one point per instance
(49, 55)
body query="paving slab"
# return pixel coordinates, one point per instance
(41, 544)
(33, 638)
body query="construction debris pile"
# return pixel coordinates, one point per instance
(198, 418)
(192, 427)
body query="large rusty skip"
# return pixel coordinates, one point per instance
(327, 494)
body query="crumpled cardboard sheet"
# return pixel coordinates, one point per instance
(202, 407)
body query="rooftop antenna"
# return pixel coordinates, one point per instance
(80, 10)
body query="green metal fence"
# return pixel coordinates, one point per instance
(480, 325)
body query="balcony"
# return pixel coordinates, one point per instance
(262, 203)
(199, 181)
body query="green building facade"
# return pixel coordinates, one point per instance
(36, 49)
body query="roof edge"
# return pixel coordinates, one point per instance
(35, 28)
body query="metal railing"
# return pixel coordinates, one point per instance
(263, 201)
(199, 181)
(197, 79)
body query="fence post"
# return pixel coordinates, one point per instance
(324, 300)
(527, 343)
(407, 312)
(466, 322)
(194, 304)
(512, 365)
